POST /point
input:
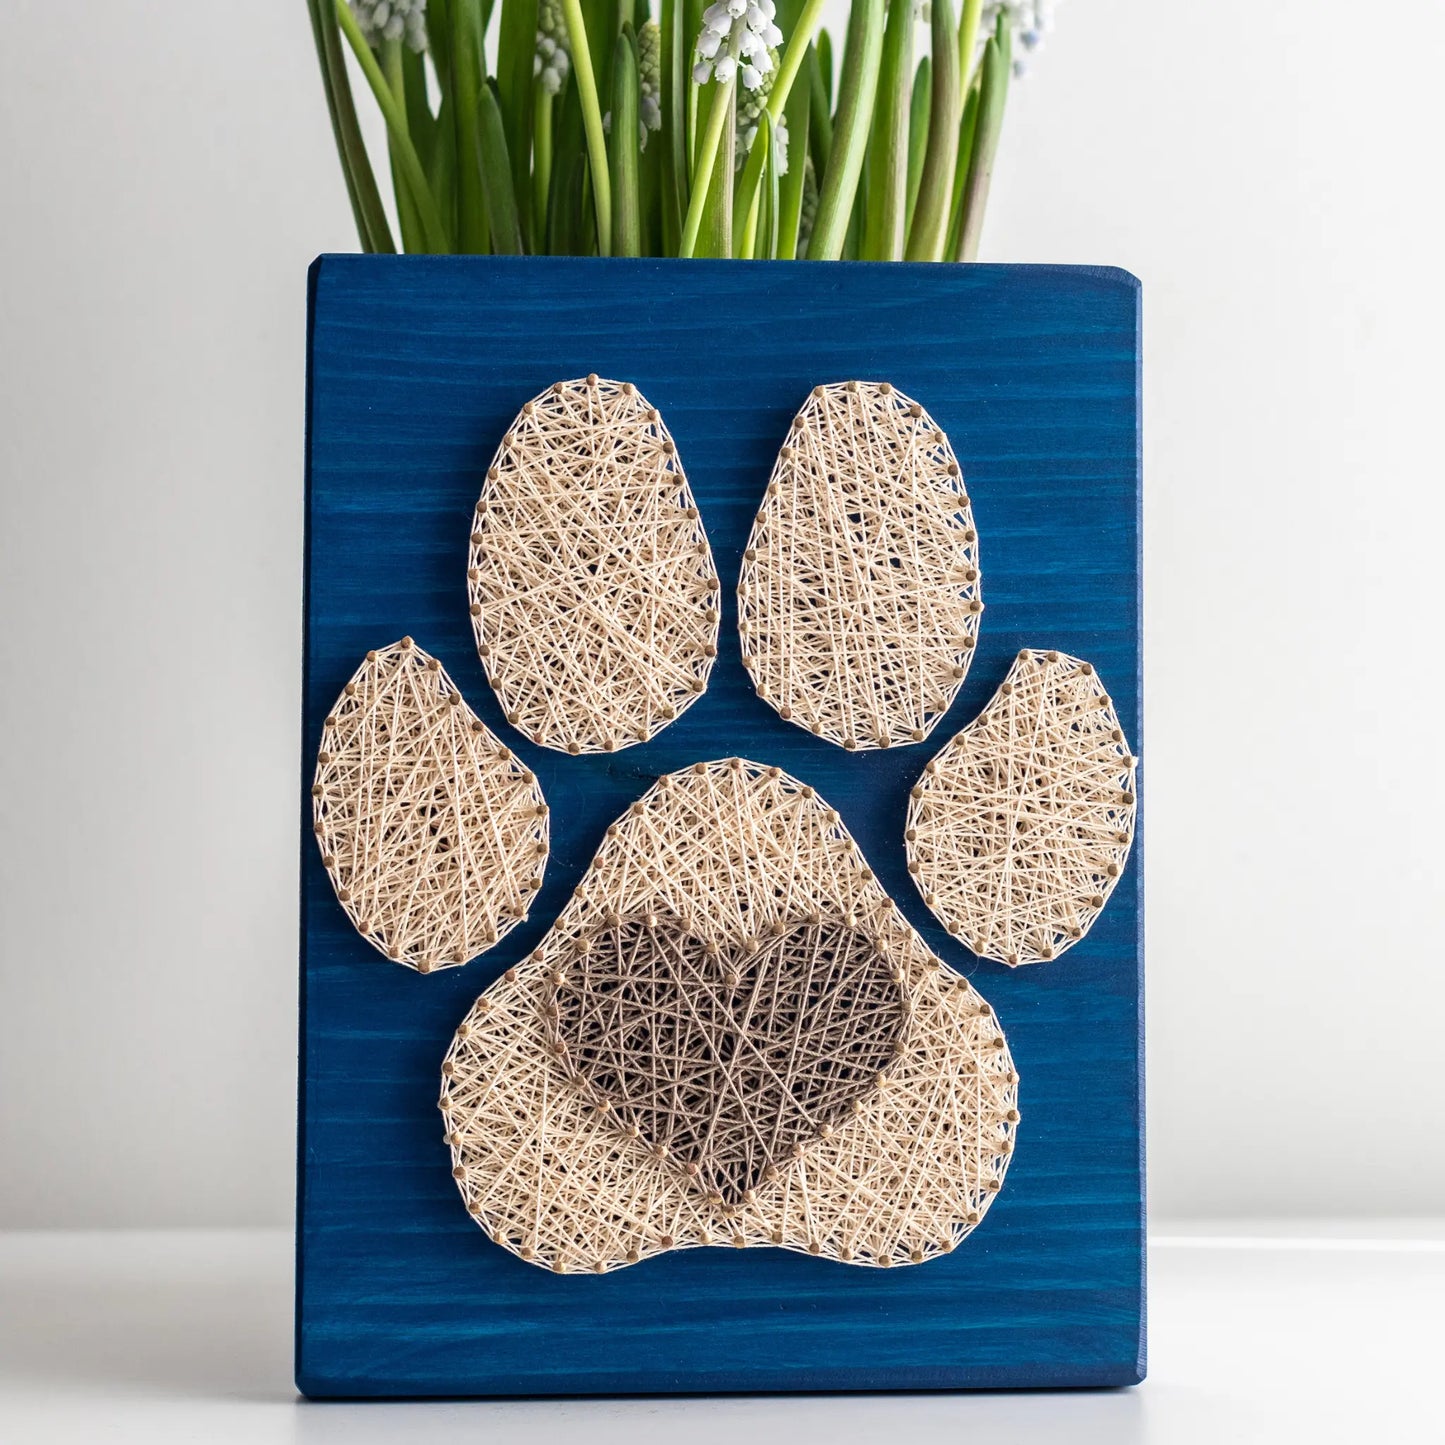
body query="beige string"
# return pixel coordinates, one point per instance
(433, 834)
(1019, 829)
(858, 601)
(747, 857)
(593, 591)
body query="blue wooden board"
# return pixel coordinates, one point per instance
(416, 367)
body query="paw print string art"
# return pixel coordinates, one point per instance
(731, 1035)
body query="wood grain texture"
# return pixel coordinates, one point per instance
(416, 366)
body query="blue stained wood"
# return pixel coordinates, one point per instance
(417, 365)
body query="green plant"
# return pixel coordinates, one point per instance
(592, 127)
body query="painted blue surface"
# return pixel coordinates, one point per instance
(416, 368)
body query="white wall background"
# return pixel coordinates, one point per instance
(1270, 170)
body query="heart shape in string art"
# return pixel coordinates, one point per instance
(727, 1058)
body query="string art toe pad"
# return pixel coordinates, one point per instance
(593, 594)
(858, 600)
(434, 834)
(1019, 830)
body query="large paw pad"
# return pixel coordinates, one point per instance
(565, 1158)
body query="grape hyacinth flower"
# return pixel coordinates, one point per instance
(737, 42)
(553, 59)
(751, 105)
(1030, 21)
(649, 65)
(392, 20)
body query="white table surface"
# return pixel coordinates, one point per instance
(1274, 1334)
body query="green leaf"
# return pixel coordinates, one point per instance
(794, 58)
(930, 215)
(442, 172)
(626, 156)
(473, 234)
(516, 49)
(395, 117)
(671, 141)
(715, 181)
(967, 130)
(856, 93)
(825, 66)
(502, 213)
(567, 200)
(886, 215)
(393, 64)
(651, 191)
(419, 119)
(918, 128)
(361, 188)
(439, 43)
(768, 225)
(790, 186)
(820, 116)
(997, 67)
(604, 24)
(968, 38)
(586, 77)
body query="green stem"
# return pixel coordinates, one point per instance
(716, 236)
(997, 66)
(790, 188)
(887, 218)
(626, 156)
(410, 162)
(968, 37)
(467, 80)
(790, 65)
(930, 216)
(745, 246)
(361, 187)
(850, 131)
(408, 221)
(706, 160)
(967, 130)
(591, 122)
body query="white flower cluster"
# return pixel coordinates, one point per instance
(649, 65)
(737, 39)
(392, 20)
(1030, 21)
(750, 114)
(553, 60)
(780, 142)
